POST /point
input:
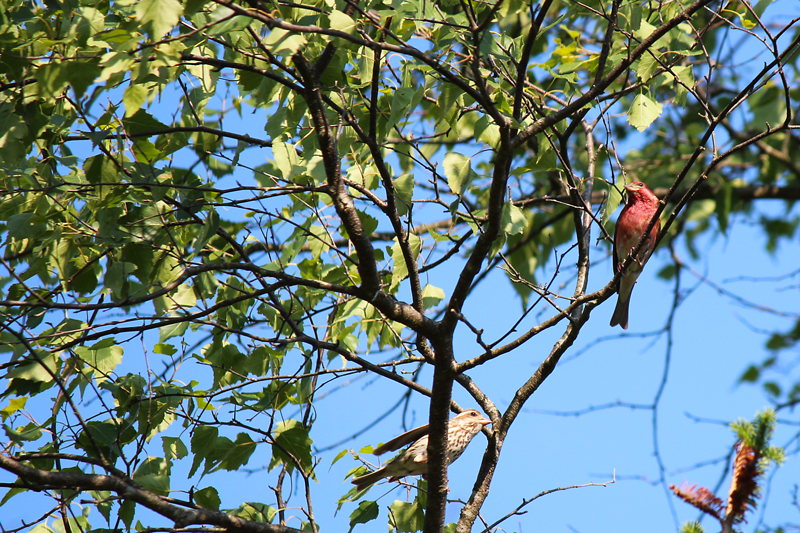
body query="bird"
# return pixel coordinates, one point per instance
(640, 207)
(414, 460)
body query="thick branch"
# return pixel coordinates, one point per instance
(345, 208)
(437, 441)
(42, 479)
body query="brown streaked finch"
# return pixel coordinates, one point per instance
(414, 460)
(640, 206)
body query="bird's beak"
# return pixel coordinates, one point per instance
(485, 422)
(631, 188)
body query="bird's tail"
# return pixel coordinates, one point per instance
(620, 316)
(626, 283)
(365, 481)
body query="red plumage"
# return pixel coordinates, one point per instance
(640, 207)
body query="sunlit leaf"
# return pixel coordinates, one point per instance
(458, 171)
(643, 112)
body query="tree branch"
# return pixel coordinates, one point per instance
(43, 479)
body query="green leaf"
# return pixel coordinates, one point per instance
(207, 232)
(256, 512)
(153, 475)
(458, 171)
(487, 131)
(286, 159)
(685, 75)
(291, 438)
(239, 454)
(404, 192)
(33, 370)
(284, 42)
(400, 105)
(772, 389)
(723, 207)
(73, 523)
(126, 512)
(768, 106)
(365, 512)
(25, 226)
(431, 296)
(82, 75)
(208, 498)
(342, 22)
(14, 405)
(117, 277)
(648, 64)
(631, 14)
(513, 219)
(645, 30)
(667, 273)
(226, 26)
(29, 432)
(174, 448)
(165, 349)
(643, 112)
(777, 342)
(204, 444)
(142, 122)
(497, 245)
(182, 298)
(400, 269)
(612, 203)
(169, 331)
(406, 517)
(41, 528)
(750, 375)
(749, 20)
(158, 16)
(339, 456)
(100, 169)
(368, 222)
(104, 503)
(167, 269)
(135, 95)
(53, 77)
(102, 360)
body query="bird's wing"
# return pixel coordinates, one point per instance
(656, 232)
(398, 442)
(650, 243)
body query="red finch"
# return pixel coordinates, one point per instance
(640, 206)
(414, 460)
